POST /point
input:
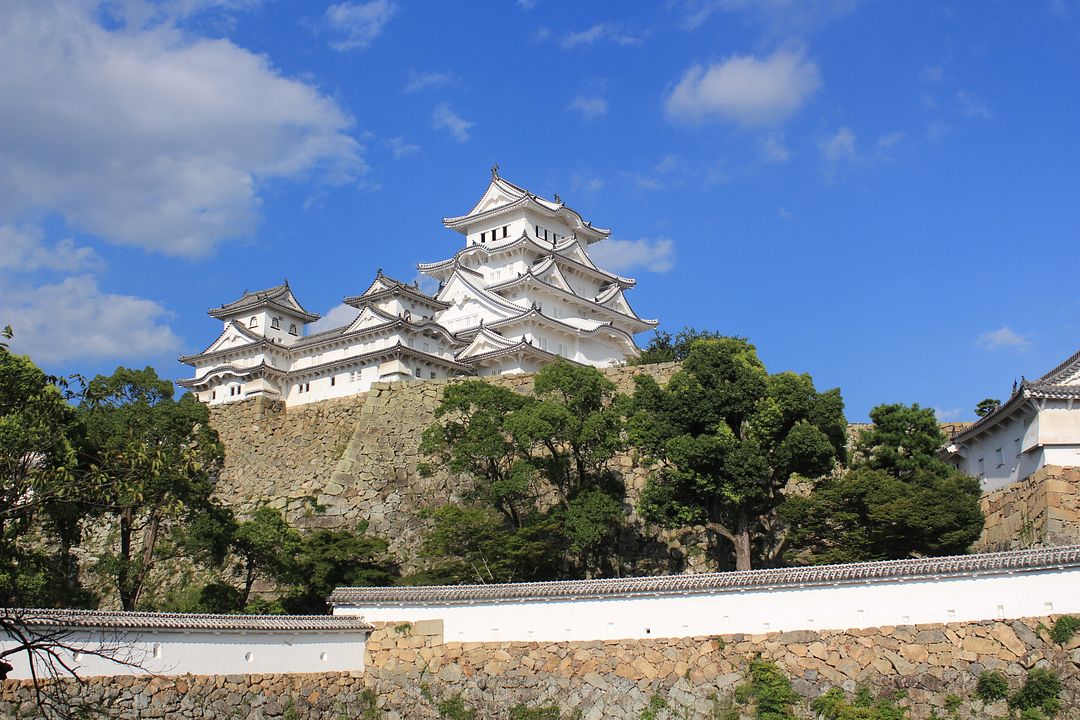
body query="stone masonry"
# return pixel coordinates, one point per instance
(410, 670)
(1043, 509)
(356, 459)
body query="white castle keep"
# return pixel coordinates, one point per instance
(522, 292)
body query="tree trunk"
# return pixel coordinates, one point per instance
(122, 573)
(741, 541)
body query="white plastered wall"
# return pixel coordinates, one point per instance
(953, 599)
(202, 652)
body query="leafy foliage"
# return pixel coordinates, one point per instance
(39, 489)
(987, 406)
(991, 686)
(834, 705)
(769, 689)
(154, 459)
(524, 712)
(542, 463)
(454, 708)
(1064, 628)
(726, 437)
(897, 500)
(665, 347)
(1041, 691)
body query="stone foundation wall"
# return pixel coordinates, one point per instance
(410, 670)
(1042, 510)
(356, 459)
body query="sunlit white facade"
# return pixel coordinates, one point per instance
(521, 292)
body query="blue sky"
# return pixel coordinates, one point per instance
(885, 195)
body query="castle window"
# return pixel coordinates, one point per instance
(982, 468)
(432, 374)
(537, 230)
(1000, 457)
(275, 323)
(504, 230)
(333, 381)
(292, 328)
(483, 237)
(254, 322)
(213, 395)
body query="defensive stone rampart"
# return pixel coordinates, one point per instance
(356, 458)
(410, 670)
(1041, 510)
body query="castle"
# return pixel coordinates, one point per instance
(522, 292)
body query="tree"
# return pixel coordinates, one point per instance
(155, 460)
(541, 461)
(987, 406)
(327, 559)
(39, 488)
(476, 544)
(665, 347)
(725, 437)
(897, 500)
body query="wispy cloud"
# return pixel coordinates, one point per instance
(357, 24)
(972, 106)
(949, 414)
(779, 18)
(589, 107)
(600, 32)
(23, 249)
(340, 314)
(1004, 338)
(644, 182)
(401, 147)
(423, 80)
(651, 254)
(444, 118)
(585, 182)
(839, 146)
(773, 150)
(744, 89)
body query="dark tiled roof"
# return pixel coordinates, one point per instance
(269, 296)
(181, 621)
(942, 567)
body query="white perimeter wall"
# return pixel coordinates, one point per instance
(209, 653)
(811, 608)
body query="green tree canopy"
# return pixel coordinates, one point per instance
(725, 438)
(987, 406)
(665, 347)
(155, 460)
(39, 486)
(898, 500)
(540, 460)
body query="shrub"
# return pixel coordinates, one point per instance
(1041, 690)
(454, 708)
(770, 690)
(834, 705)
(524, 712)
(1064, 628)
(991, 686)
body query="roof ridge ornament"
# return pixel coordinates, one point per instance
(495, 171)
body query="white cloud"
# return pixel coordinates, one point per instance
(781, 18)
(1004, 338)
(340, 314)
(656, 255)
(358, 23)
(424, 80)
(607, 32)
(23, 249)
(589, 107)
(668, 164)
(586, 183)
(151, 138)
(74, 320)
(932, 74)
(784, 213)
(402, 148)
(745, 89)
(773, 149)
(949, 414)
(644, 182)
(972, 106)
(444, 118)
(526, 4)
(840, 146)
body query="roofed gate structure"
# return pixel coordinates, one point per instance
(522, 292)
